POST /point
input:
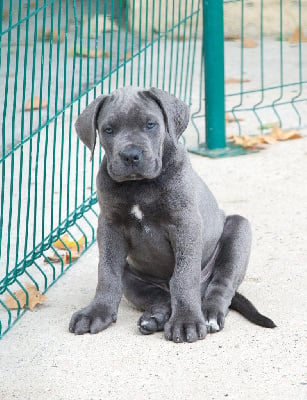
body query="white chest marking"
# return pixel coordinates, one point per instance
(137, 212)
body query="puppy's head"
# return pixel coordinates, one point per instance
(134, 126)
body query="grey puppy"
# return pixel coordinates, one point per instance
(163, 241)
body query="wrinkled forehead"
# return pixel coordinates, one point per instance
(129, 106)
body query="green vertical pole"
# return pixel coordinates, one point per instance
(213, 60)
(213, 53)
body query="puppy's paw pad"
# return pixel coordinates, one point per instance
(147, 326)
(212, 326)
(153, 321)
(190, 332)
(90, 320)
(214, 318)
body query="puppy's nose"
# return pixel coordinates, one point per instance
(131, 156)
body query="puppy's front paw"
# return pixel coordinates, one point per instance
(93, 319)
(214, 318)
(154, 319)
(185, 329)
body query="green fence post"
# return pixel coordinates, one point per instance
(213, 52)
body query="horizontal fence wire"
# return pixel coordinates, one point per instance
(55, 58)
(265, 67)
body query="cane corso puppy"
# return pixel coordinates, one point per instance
(163, 241)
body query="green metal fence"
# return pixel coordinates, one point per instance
(266, 66)
(57, 56)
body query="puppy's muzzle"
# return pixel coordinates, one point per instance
(131, 156)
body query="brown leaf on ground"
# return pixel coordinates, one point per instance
(95, 53)
(275, 135)
(295, 38)
(36, 103)
(67, 242)
(62, 256)
(266, 139)
(127, 56)
(279, 134)
(34, 297)
(68, 258)
(236, 80)
(251, 142)
(249, 43)
(52, 257)
(92, 53)
(231, 38)
(229, 118)
(5, 14)
(55, 35)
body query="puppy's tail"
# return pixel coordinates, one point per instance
(243, 306)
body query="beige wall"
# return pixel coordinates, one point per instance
(271, 17)
(232, 16)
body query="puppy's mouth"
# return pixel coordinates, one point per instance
(133, 174)
(124, 178)
(133, 177)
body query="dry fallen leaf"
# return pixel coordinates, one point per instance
(295, 38)
(229, 118)
(267, 139)
(34, 297)
(5, 14)
(36, 103)
(52, 257)
(249, 43)
(92, 53)
(236, 80)
(69, 242)
(254, 141)
(55, 35)
(279, 134)
(127, 56)
(72, 256)
(231, 37)
(62, 256)
(245, 141)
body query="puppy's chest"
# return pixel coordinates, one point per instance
(141, 217)
(136, 213)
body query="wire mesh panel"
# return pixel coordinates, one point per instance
(56, 57)
(265, 67)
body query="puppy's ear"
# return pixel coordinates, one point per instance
(176, 112)
(86, 124)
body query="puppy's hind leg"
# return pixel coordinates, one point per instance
(228, 271)
(151, 297)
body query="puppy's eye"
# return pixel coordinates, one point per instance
(108, 130)
(151, 125)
